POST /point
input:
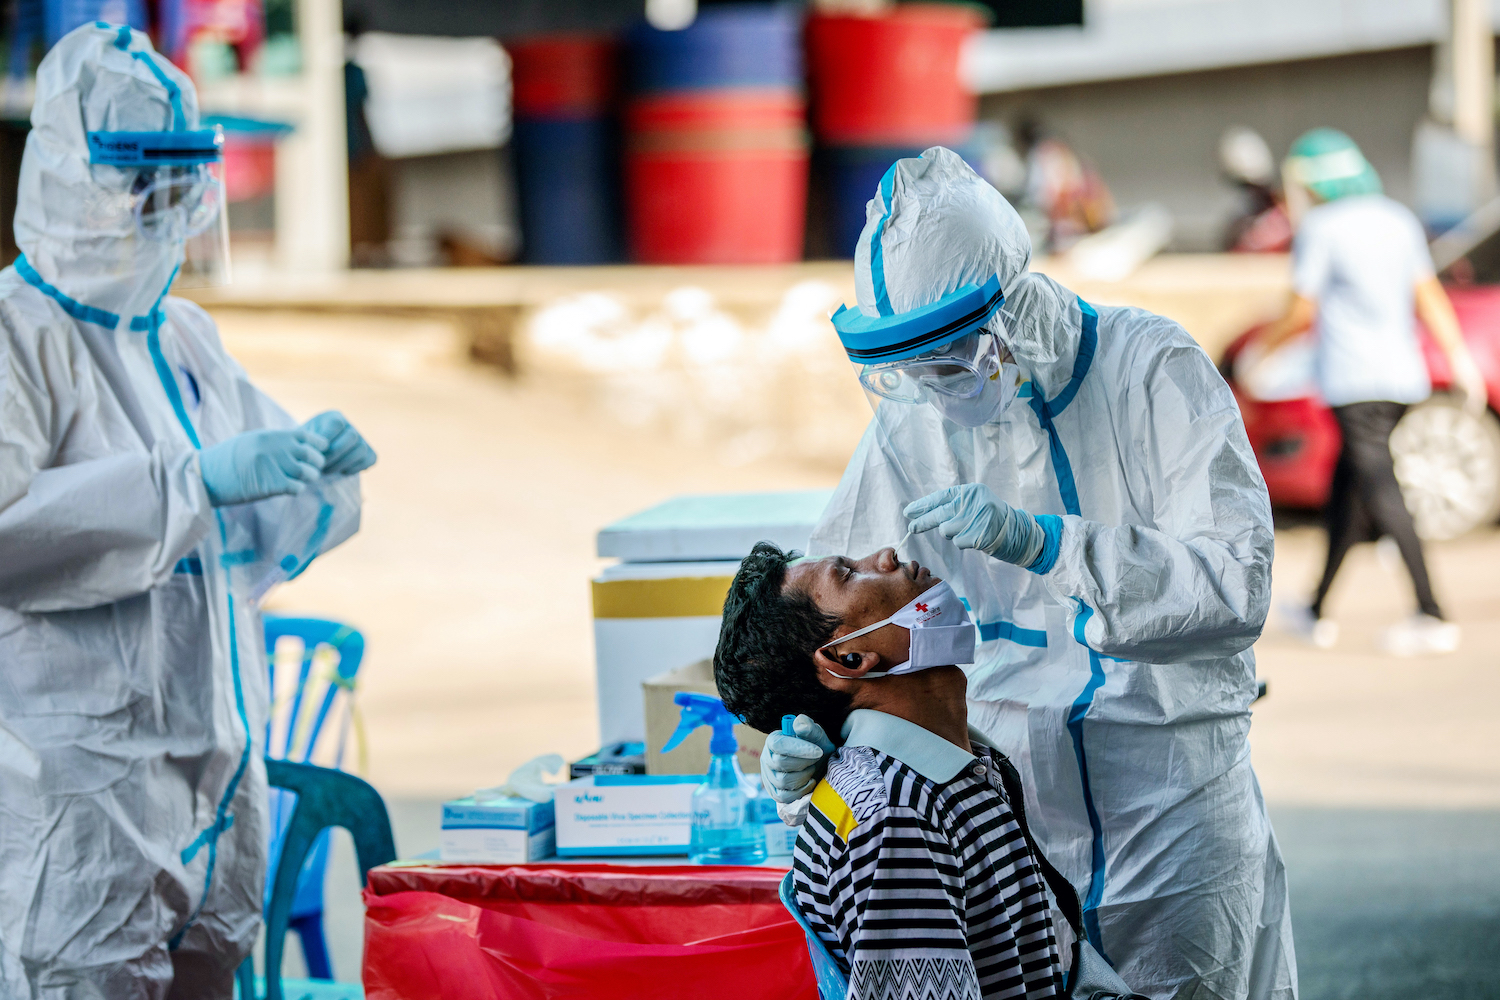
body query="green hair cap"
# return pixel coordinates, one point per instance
(1329, 164)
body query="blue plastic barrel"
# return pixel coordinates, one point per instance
(567, 180)
(62, 16)
(851, 174)
(750, 45)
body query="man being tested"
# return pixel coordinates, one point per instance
(912, 866)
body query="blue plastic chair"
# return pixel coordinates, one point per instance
(295, 732)
(322, 798)
(832, 983)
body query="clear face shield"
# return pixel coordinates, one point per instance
(934, 377)
(176, 190)
(947, 356)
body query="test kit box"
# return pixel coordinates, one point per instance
(625, 814)
(503, 831)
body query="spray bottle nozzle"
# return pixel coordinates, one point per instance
(704, 710)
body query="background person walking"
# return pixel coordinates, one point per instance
(1360, 270)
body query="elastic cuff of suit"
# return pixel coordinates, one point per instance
(1051, 526)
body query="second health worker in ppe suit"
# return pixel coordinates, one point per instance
(148, 494)
(1081, 476)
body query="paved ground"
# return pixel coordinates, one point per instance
(470, 580)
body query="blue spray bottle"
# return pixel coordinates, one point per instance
(726, 828)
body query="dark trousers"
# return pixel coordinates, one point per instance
(1366, 502)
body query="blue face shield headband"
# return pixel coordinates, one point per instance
(147, 150)
(938, 350)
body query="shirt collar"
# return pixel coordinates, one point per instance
(927, 753)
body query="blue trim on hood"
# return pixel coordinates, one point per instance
(877, 254)
(71, 306)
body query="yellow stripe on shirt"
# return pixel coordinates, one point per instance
(833, 807)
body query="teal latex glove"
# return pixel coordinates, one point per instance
(260, 464)
(347, 452)
(791, 765)
(974, 518)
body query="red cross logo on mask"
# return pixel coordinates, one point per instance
(921, 607)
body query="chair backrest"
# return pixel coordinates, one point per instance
(832, 983)
(305, 695)
(325, 798)
(311, 680)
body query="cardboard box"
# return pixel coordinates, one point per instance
(625, 814)
(504, 831)
(662, 716)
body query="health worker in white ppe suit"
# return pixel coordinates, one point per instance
(1081, 476)
(149, 494)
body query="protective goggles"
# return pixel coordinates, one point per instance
(958, 370)
(941, 349)
(177, 194)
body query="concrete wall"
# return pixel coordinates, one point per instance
(1155, 139)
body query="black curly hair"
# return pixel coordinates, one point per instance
(764, 665)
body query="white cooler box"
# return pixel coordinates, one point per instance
(659, 607)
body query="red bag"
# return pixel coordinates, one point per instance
(582, 931)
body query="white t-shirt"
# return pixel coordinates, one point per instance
(1360, 259)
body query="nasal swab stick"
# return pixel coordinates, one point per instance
(904, 539)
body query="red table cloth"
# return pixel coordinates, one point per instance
(580, 932)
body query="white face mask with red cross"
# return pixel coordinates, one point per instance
(941, 633)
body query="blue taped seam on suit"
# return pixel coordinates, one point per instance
(1045, 411)
(174, 93)
(1036, 638)
(314, 543)
(189, 565)
(877, 255)
(223, 819)
(1075, 730)
(71, 306)
(164, 374)
(1063, 468)
(1084, 360)
(1060, 464)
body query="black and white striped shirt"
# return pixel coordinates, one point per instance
(916, 875)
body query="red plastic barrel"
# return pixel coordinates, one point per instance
(716, 177)
(892, 78)
(563, 76)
